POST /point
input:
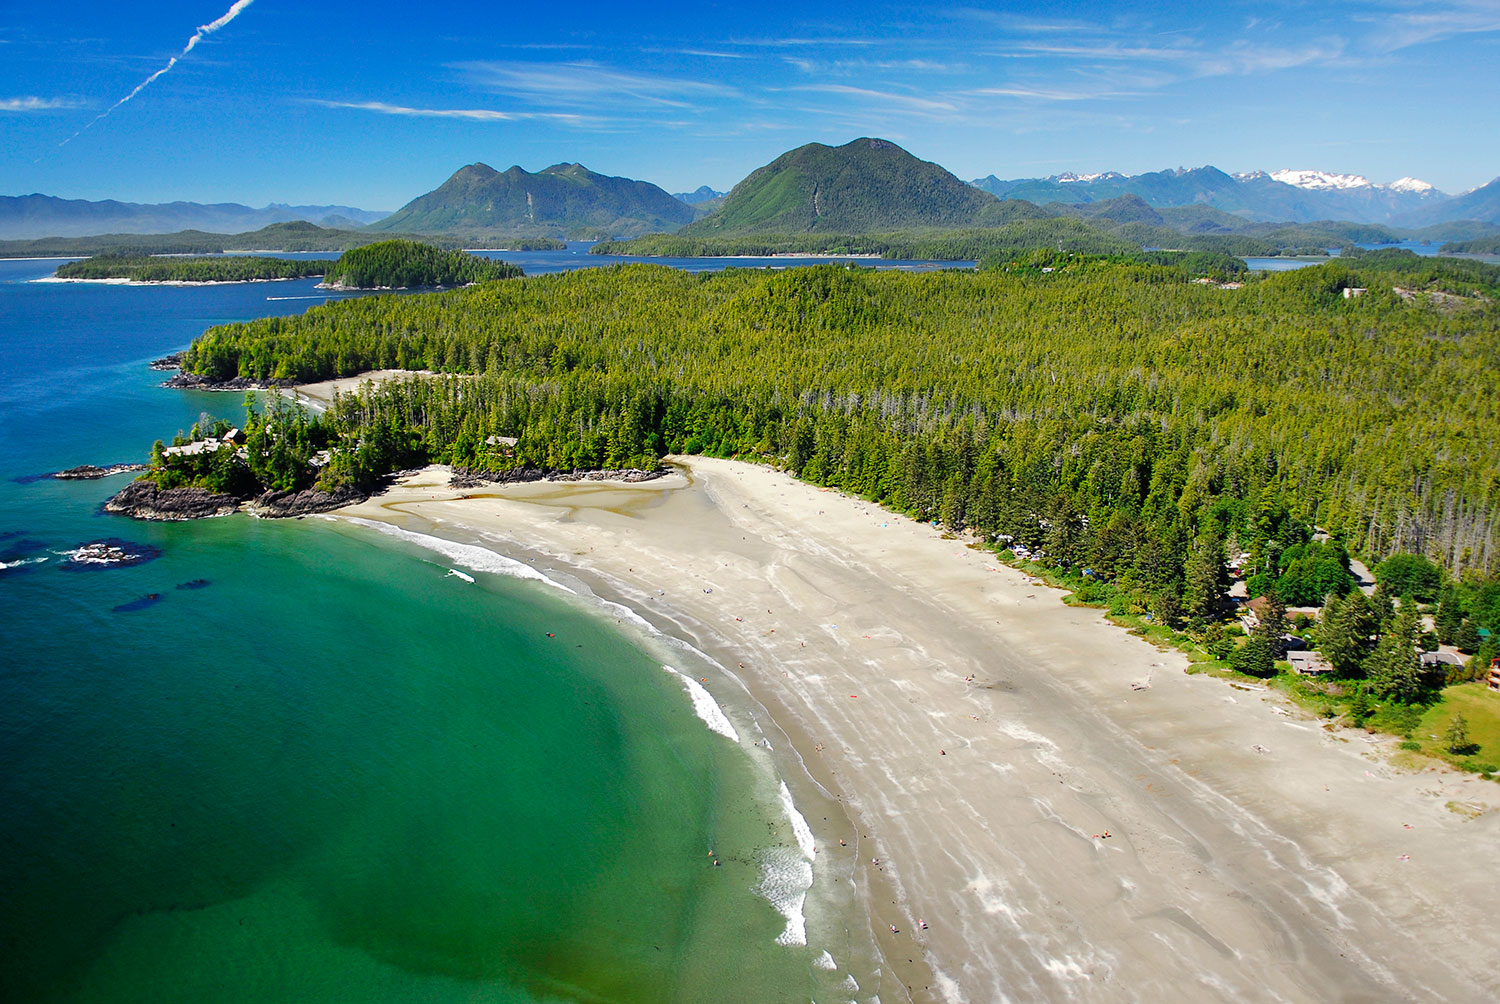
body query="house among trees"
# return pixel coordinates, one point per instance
(1308, 663)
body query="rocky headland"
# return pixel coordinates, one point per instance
(145, 500)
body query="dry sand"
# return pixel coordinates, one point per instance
(318, 396)
(1252, 854)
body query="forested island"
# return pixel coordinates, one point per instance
(1479, 245)
(294, 236)
(146, 268)
(404, 264)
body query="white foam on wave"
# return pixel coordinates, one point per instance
(461, 575)
(800, 829)
(23, 561)
(470, 556)
(785, 877)
(623, 612)
(825, 962)
(705, 707)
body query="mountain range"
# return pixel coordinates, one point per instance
(564, 200)
(868, 185)
(1295, 196)
(24, 217)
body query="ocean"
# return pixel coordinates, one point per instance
(307, 760)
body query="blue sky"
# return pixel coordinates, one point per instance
(371, 104)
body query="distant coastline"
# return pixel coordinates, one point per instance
(162, 282)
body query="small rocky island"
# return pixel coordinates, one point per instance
(111, 552)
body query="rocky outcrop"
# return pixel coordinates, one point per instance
(89, 472)
(111, 552)
(464, 477)
(144, 500)
(195, 381)
(168, 363)
(279, 505)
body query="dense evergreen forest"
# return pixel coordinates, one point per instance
(403, 264)
(1112, 417)
(145, 268)
(1093, 236)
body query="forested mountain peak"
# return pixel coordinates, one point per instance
(865, 185)
(563, 200)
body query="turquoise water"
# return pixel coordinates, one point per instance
(301, 761)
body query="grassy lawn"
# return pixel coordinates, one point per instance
(1480, 706)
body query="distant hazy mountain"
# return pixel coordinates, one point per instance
(1482, 204)
(27, 217)
(861, 187)
(702, 194)
(1287, 195)
(559, 201)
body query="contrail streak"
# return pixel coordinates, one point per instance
(203, 30)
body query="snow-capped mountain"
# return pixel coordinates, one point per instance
(1329, 181)
(1270, 196)
(1068, 177)
(1410, 185)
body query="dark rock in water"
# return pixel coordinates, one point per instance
(88, 472)
(194, 584)
(18, 553)
(144, 500)
(193, 381)
(168, 363)
(150, 599)
(464, 477)
(112, 552)
(14, 547)
(278, 505)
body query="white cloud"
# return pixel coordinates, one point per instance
(588, 84)
(35, 104)
(885, 97)
(471, 114)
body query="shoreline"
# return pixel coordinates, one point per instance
(1309, 871)
(121, 281)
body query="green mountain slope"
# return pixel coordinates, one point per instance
(563, 200)
(861, 187)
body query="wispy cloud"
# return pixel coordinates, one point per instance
(1044, 93)
(788, 43)
(35, 104)
(204, 30)
(702, 53)
(884, 97)
(470, 114)
(1247, 59)
(588, 84)
(1418, 23)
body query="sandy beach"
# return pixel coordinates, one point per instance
(319, 396)
(1064, 835)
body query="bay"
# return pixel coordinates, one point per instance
(301, 760)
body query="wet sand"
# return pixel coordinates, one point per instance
(983, 737)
